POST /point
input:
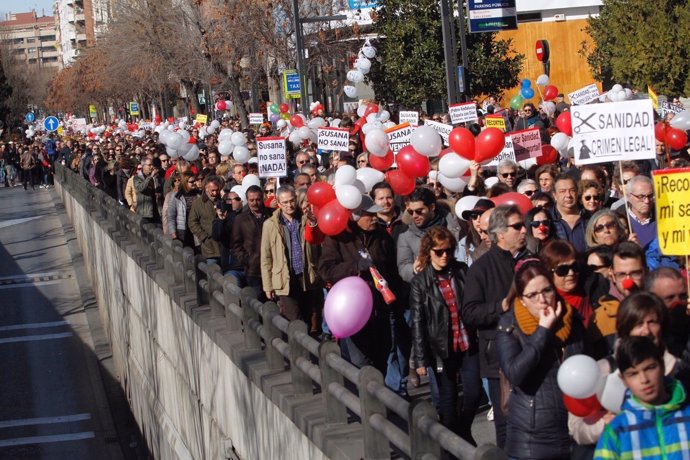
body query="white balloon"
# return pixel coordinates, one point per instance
(237, 138)
(184, 134)
(303, 132)
(350, 91)
(612, 393)
(355, 76)
(182, 125)
(225, 147)
(192, 154)
(281, 124)
(369, 51)
(215, 124)
(579, 377)
(313, 138)
(174, 140)
(241, 154)
(225, 133)
(628, 93)
(384, 115)
(294, 137)
(372, 117)
(377, 142)
(335, 123)
(453, 165)
(172, 153)
(348, 196)
(316, 123)
(389, 124)
(251, 179)
(559, 141)
(465, 203)
(183, 148)
(616, 88)
(363, 65)
(345, 175)
(361, 110)
(454, 184)
(681, 120)
(369, 177)
(241, 192)
(426, 141)
(543, 80)
(549, 107)
(360, 186)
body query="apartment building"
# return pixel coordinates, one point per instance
(31, 38)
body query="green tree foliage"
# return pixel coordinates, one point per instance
(410, 66)
(639, 43)
(5, 91)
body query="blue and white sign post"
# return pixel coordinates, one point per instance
(51, 123)
(30, 117)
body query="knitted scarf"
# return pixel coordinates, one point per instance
(528, 324)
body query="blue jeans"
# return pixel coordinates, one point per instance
(398, 367)
(239, 276)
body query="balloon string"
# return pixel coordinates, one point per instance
(625, 195)
(540, 96)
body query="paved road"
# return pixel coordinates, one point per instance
(52, 403)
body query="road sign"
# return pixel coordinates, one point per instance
(93, 113)
(542, 50)
(292, 86)
(134, 108)
(491, 16)
(51, 123)
(30, 117)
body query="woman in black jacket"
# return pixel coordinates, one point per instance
(438, 333)
(534, 337)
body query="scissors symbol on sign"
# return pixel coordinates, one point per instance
(583, 121)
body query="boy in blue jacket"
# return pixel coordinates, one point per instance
(655, 422)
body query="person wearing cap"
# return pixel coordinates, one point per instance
(471, 247)
(351, 253)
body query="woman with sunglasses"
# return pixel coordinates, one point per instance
(604, 227)
(362, 160)
(439, 334)
(178, 210)
(591, 196)
(540, 229)
(540, 330)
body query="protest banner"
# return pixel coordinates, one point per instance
(613, 131)
(78, 124)
(337, 139)
(256, 118)
(409, 116)
(272, 157)
(463, 113)
(441, 128)
(666, 107)
(672, 201)
(495, 121)
(584, 95)
(526, 143)
(399, 136)
(201, 119)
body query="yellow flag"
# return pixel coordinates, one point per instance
(653, 97)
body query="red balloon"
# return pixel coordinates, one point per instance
(382, 163)
(401, 183)
(221, 105)
(548, 155)
(461, 140)
(371, 108)
(171, 119)
(284, 108)
(676, 138)
(296, 121)
(488, 144)
(332, 218)
(582, 407)
(412, 163)
(660, 131)
(510, 198)
(550, 93)
(192, 140)
(320, 194)
(157, 119)
(565, 123)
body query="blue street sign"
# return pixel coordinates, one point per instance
(30, 117)
(51, 123)
(491, 15)
(362, 4)
(293, 83)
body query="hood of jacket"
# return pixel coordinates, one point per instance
(677, 400)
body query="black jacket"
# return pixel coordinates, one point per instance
(246, 239)
(430, 315)
(537, 418)
(221, 231)
(486, 285)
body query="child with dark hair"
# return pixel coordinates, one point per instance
(656, 416)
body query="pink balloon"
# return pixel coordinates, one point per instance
(348, 306)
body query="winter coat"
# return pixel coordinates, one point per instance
(537, 420)
(246, 240)
(200, 223)
(643, 431)
(130, 194)
(430, 315)
(122, 177)
(146, 188)
(276, 255)
(487, 283)
(222, 233)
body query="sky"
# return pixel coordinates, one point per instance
(24, 6)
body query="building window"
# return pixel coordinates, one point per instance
(31, 50)
(50, 59)
(32, 61)
(529, 17)
(30, 39)
(47, 38)
(47, 49)
(17, 41)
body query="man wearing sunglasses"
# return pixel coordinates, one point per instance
(486, 287)
(507, 173)
(567, 217)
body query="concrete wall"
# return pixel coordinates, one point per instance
(195, 392)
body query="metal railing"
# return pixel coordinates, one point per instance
(387, 419)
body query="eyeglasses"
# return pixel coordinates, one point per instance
(563, 270)
(362, 162)
(546, 292)
(635, 274)
(590, 197)
(595, 267)
(517, 226)
(643, 197)
(270, 190)
(418, 212)
(233, 199)
(441, 252)
(529, 192)
(608, 226)
(538, 223)
(509, 174)
(527, 110)
(191, 181)
(474, 215)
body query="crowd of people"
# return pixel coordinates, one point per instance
(493, 297)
